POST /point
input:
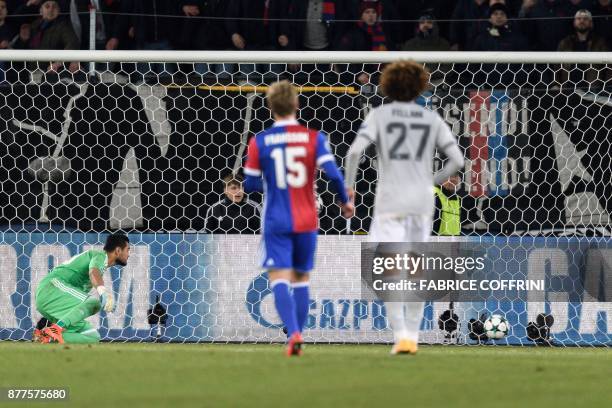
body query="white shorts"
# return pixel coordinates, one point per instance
(412, 228)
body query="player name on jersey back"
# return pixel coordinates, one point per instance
(292, 137)
(407, 113)
(406, 137)
(287, 156)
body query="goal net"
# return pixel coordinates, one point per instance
(128, 144)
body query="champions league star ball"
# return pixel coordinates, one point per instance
(496, 327)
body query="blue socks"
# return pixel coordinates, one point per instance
(302, 302)
(285, 305)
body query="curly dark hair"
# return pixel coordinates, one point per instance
(404, 81)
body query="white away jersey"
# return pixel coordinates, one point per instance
(406, 136)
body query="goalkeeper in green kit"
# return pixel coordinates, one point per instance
(63, 295)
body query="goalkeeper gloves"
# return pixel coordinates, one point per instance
(106, 299)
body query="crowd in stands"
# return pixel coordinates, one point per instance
(378, 25)
(357, 25)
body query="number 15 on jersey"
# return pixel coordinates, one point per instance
(287, 167)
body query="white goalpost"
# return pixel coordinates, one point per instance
(310, 57)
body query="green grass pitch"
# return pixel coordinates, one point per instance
(235, 375)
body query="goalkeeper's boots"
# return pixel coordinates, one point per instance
(405, 346)
(294, 347)
(54, 332)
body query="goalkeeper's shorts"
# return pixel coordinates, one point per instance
(289, 250)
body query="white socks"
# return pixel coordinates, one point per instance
(413, 318)
(395, 314)
(405, 319)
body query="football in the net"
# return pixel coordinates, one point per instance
(496, 327)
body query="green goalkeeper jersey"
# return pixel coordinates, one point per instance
(75, 271)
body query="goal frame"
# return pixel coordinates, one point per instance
(309, 57)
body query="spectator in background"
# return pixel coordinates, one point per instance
(447, 214)
(499, 35)
(49, 32)
(366, 35)
(250, 24)
(235, 213)
(387, 12)
(310, 26)
(30, 8)
(106, 15)
(207, 30)
(151, 25)
(547, 22)
(602, 11)
(427, 37)
(253, 25)
(7, 32)
(192, 33)
(203, 28)
(583, 39)
(412, 10)
(121, 36)
(463, 33)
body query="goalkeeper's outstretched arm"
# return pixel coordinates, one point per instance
(107, 301)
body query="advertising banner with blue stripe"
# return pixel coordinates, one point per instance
(213, 290)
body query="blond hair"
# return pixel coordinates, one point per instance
(281, 98)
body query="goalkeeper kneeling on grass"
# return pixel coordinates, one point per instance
(63, 295)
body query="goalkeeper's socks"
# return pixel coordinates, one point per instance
(414, 316)
(301, 294)
(285, 304)
(395, 315)
(80, 312)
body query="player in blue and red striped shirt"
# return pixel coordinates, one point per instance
(286, 157)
